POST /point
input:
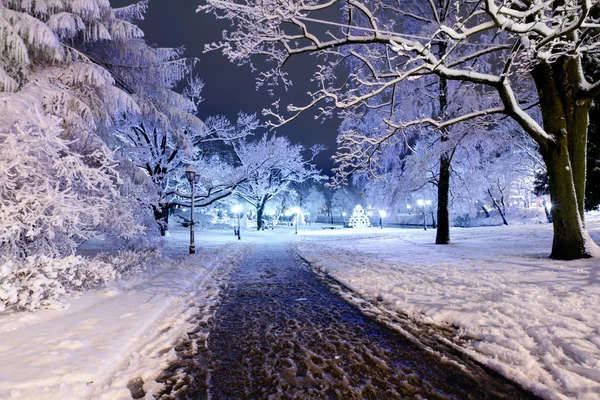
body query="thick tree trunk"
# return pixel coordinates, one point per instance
(565, 119)
(443, 216)
(569, 241)
(442, 235)
(259, 215)
(161, 215)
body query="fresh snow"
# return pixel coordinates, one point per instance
(102, 339)
(532, 319)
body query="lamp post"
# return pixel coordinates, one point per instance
(382, 215)
(424, 204)
(344, 218)
(236, 210)
(193, 178)
(296, 211)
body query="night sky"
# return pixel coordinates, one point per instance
(229, 88)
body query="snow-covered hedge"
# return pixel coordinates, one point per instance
(129, 262)
(40, 281)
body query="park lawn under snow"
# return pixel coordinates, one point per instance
(533, 319)
(92, 347)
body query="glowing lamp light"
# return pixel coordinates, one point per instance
(408, 206)
(191, 174)
(344, 214)
(420, 203)
(236, 209)
(382, 213)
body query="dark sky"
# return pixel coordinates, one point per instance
(229, 88)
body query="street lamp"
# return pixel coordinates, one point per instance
(344, 217)
(382, 215)
(424, 204)
(296, 210)
(193, 178)
(408, 207)
(237, 209)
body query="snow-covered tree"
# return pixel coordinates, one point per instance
(526, 43)
(312, 203)
(272, 166)
(52, 198)
(56, 57)
(163, 156)
(344, 200)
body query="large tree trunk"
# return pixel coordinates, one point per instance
(569, 241)
(259, 215)
(566, 119)
(443, 215)
(161, 215)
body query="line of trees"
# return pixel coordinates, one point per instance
(520, 60)
(97, 128)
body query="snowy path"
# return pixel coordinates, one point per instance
(494, 290)
(281, 333)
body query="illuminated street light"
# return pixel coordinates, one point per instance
(296, 211)
(424, 204)
(237, 209)
(382, 215)
(193, 178)
(344, 217)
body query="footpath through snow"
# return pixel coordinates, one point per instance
(93, 347)
(534, 320)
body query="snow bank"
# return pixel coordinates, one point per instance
(532, 319)
(105, 338)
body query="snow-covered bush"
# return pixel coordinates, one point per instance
(52, 197)
(39, 281)
(129, 262)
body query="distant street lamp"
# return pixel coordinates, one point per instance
(344, 217)
(382, 215)
(237, 209)
(408, 207)
(424, 204)
(296, 211)
(193, 178)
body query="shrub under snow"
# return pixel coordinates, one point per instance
(40, 281)
(37, 281)
(53, 198)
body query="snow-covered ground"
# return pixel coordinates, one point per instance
(102, 339)
(532, 319)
